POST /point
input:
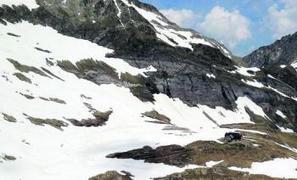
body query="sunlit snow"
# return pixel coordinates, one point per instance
(77, 152)
(31, 4)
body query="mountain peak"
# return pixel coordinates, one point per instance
(83, 81)
(281, 53)
(115, 18)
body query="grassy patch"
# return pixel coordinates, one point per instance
(155, 115)
(68, 66)
(9, 118)
(142, 93)
(132, 79)
(289, 139)
(242, 153)
(27, 96)
(8, 158)
(86, 65)
(100, 118)
(50, 73)
(26, 69)
(57, 100)
(213, 173)
(51, 122)
(22, 77)
(112, 175)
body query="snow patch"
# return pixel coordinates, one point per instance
(253, 83)
(211, 164)
(246, 71)
(278, 168)
(285, 130)
(61, 48)
(210, 75)
(281, 114)
(78, 152)
(294, 64)
(283, 66)
(31, 4)
(222, 116)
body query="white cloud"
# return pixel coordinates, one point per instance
(182, 17)
(229, 27)
(283, 21)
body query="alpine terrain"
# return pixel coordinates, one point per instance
(111, 89)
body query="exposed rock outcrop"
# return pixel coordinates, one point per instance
(160, 118)
(111, 175)
(281, 52)
(171, 155)
(100, 118)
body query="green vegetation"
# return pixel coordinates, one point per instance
(86, 65)
(51, 122)
(68, 66)
(132, 79)
(253, 148)
(102, 115)
(26, 69)
(9, 158)
(22, 77)
(213, 173)
(9, 118)
(142, 93)
(111, 175)
(50, 73)
(155, 115)
(243, 153)
(239, 154)
(27, 96)
(57, 100)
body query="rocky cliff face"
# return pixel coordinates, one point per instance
(142, 36)
(281, 52)
(125, 58)
(278, 59)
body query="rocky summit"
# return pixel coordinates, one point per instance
(111, 89)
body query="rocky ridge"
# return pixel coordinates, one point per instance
(173, 75)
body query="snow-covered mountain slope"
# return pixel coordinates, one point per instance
(68, 101)
(166, 31)
(26, 91)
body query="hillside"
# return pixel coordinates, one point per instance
(95, 86)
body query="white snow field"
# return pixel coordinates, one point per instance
(31, 4)
(79, 152)
(278, 168)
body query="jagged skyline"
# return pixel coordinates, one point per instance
(250, 24)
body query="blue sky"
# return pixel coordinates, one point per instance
(242, 25)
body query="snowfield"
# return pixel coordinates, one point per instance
(31, 4)
(79, 152)
(278, 168)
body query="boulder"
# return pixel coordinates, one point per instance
(233, 136)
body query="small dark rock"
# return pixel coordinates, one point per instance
(233, 136)
(156, 115)
(14, 35)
